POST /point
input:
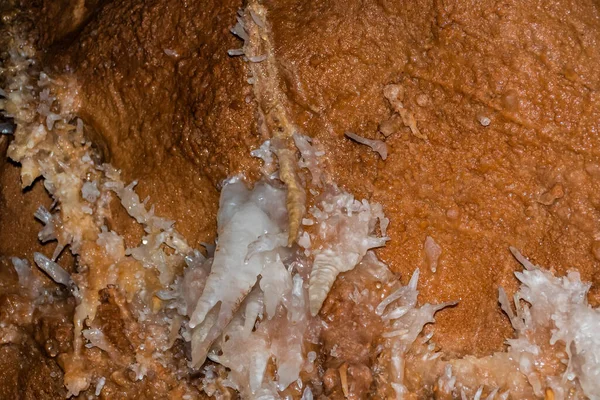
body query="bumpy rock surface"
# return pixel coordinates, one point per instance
(506, 94)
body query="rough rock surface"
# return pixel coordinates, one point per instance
(505, 92)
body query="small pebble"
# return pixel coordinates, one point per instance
(483, 120)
